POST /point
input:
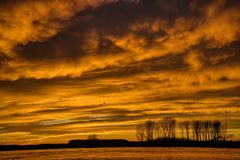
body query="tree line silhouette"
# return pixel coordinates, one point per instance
(195, 130)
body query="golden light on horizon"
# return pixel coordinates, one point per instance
(70, 68)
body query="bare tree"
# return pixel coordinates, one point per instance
(149, 128)
(216, 130)
(187, 128)
(169, 127)
(158, 130)
(196, 127)
(173, 123)
(210, 132)
(140, 132)
(181, 126)
(92, 137)
(207, 128)
(201, 131)
(224, 132)
(164, 128)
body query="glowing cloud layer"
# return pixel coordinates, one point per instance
(72, 67)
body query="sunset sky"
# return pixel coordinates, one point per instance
(70, 68)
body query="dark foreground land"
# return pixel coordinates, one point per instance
(124, 143)
(123, 153)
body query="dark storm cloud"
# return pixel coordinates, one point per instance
(218, 56)
(95, 34)
(112, 19)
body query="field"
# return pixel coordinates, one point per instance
(125, 154)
